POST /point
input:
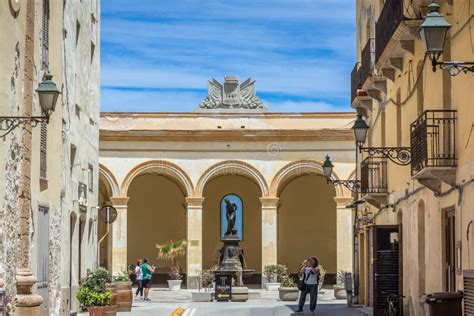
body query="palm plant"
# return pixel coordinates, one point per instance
(171, 251)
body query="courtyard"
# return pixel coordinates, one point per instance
(165, 302)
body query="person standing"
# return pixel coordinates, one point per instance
(310, 279)
(147, 272)
(139, 274)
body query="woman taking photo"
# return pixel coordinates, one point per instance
(309, 283)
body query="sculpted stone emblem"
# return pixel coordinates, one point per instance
(232, 95)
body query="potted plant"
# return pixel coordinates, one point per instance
(123, 286)
(171, 251)
(339, 288)
(93, 295)
(207, 282)
(273, 274)
(288, 290)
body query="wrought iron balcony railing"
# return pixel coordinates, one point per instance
(355, 81)
(433, 140)
(387, 23)
(374, 175)
(368, 61)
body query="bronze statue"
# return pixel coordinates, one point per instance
(231, 210)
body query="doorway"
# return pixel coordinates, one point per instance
(450, 250)
(384, 266)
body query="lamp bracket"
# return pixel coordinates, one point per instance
(9, 123)
(454, 68)
(353, 185)
(399, 155)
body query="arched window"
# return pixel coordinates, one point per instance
(421, 248)
(399, 118)
(419, 88)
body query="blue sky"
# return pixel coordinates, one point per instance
(157, 55)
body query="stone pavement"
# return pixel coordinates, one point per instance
(165, 302)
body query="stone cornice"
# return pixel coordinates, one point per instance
(227, 135)
(113, 116)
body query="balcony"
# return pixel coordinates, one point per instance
(367, 68)
(354, 81)
(433, 146)
(374, 181)
(395, 30)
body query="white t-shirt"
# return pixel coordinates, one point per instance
(139, 273)
(310, 277)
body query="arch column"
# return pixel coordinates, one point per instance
(119, 234)
(344, 234)
(194, 237)
(269, 232)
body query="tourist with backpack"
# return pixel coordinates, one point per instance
(308, 284)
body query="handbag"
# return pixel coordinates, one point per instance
(302, 282)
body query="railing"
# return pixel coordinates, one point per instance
(355, 81)
(433, 140)
(374, 175)
(368, 61)
(387, 23)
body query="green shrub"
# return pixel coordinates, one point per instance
(88, 297)
(121, 278)
(96, 280)
(275, 272)
(287, 281)
(340, 277)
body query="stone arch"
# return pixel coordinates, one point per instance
(295, 169)
(163, 168)
(233, 167)
(110, 180)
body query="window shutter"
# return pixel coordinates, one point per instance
(45, 36)
(43, 145)
(469, 293)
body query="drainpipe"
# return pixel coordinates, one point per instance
(356, 236)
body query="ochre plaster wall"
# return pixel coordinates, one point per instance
(156, 214)
(249, 192)
(307, 223)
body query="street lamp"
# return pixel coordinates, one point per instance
(352, 185)
(48, 95)
(360, 129)
(398, 155)
(433, 34)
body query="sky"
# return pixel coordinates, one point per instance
(157, 55)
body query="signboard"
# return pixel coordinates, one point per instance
(223, 287)
(230, 203)
(108, 214)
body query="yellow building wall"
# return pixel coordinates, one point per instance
(156, 215)
(249, 192)
(307, 223)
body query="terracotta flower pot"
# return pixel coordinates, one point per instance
(124, 296)
(102, 311)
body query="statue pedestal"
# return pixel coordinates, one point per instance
(230, 259)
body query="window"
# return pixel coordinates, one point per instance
(45, 37)
(90, 171)
(44, 67)
(43, 147)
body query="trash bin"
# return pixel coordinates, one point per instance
(442, 304)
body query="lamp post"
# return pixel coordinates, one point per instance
(48, 95)
(398, 155)
(433, 34)
(352, 185)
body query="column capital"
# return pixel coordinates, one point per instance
(342, 201)
(119, 201)
(194, 201)
(269, 202)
